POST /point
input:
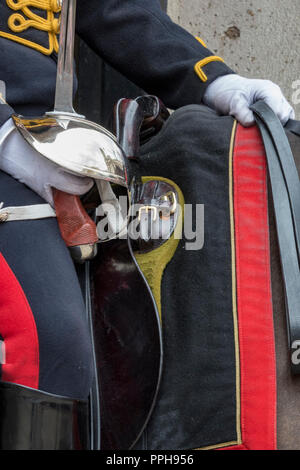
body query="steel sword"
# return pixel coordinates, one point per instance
(74, 143)
(87, 149)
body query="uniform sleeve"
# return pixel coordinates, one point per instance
(137, 38)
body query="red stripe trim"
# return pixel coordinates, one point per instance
(18, 329)
(254, 298)
(240, 447)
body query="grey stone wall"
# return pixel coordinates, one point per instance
(257, 38)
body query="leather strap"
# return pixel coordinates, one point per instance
(293, 126)
(286, 198)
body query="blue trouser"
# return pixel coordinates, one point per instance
(39, 259)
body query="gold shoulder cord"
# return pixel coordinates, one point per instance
(19, 23)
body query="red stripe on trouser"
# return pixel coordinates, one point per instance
(18, 330)
(254, 298)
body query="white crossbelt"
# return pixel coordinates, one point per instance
(35, 212)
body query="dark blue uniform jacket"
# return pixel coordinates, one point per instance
(134, 36)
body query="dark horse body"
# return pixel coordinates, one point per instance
(201, 386)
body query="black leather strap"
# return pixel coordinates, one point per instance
(286, 198)
(293, 126)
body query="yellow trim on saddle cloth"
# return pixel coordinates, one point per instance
(199, 65)
(153, 264)
(234, 305)
(234, 292)
(19, 23)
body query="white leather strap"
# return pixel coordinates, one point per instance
(38, 211)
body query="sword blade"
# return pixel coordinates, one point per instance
(65, 63)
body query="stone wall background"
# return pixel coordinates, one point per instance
(257, 38)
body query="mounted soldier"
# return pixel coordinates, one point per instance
(45, 337)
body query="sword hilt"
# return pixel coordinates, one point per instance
(77, 229)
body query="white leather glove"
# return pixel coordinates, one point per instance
(232, 94)
(22, 162)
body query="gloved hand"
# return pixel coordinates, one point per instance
(26, 165)
(232, 94)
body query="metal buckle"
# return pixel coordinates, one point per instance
(152, 209)
(3, 214)
(170, 197)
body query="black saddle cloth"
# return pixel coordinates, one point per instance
(196, 404)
